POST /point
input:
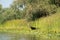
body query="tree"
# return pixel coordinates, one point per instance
(27, 9)
(0, 8)
(56, 2)
(32, 9)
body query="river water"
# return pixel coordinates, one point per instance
(6, 36)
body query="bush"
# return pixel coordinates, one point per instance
(33, 9)
(30, 10)
(56, 2)
(40, 9)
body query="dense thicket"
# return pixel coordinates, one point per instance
(36, 8)
(56, 2)
(27, 9)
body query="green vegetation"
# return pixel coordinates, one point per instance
(24, 14)
(56, 2)
(21, 9)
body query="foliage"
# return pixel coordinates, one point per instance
(28, 9)
(38, 9)
(0, 7)
(56, 2)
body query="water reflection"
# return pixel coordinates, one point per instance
(6, 36)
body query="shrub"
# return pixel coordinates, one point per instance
(32, 9)
(29, 9)
(56, 2)
(41, 9)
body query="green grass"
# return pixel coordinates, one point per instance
(15, 26)
(49, 23)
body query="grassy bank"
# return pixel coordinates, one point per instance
(47, 28)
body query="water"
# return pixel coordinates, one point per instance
(6, 36)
